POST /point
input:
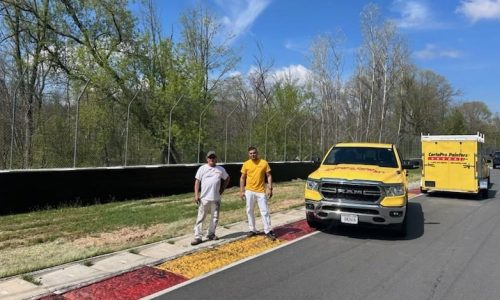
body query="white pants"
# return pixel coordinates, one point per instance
(203, 209)
(261, 199)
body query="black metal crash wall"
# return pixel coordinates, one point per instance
(23, 191)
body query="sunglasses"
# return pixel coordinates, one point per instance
(212, 157)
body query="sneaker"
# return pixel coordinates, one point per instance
(196, 242)
(271, 235)
(252, 233)
(213, 237)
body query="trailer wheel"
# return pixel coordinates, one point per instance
(482, 194)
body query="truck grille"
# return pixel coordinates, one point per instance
(350, 192)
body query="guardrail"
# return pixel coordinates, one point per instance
(26, 190)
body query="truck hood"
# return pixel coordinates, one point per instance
(358, 172)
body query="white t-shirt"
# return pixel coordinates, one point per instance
(210, 179)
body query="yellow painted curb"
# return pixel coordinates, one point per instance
(205, 261)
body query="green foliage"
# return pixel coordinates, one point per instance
(455, 122)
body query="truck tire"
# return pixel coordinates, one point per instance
(423, 191)
(401, 229)
(314, 223)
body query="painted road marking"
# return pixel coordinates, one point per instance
(151, 282)
(153, 296)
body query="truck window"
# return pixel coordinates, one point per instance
(362, 156)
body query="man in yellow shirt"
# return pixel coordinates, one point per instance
(253, 188)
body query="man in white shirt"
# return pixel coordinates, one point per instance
(214, 180)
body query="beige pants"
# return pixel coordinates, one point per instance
(204, 208)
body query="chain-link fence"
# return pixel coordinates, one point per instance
(88, 132)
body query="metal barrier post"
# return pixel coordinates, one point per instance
(14, 98)
(199, 128)
(286, 126)
(225, 144)
(300, 139)
(76, 122)
(126, 129)
(170, 127)
(265, 140)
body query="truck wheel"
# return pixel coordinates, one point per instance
(313, 223)
(423, 191)
(400, 229)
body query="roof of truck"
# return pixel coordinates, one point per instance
(367, 145)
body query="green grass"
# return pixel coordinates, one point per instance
(32, 279)
(46, 238)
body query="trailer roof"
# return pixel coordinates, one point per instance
(473, 137)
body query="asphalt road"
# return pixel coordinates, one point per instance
(452, 251)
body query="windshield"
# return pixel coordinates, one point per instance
(383, 157)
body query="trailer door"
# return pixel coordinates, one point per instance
(451, 165)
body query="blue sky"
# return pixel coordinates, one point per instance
(457, 39)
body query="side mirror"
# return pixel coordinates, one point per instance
(410, 164)
(315, 159)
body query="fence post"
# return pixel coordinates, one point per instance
(300, 138)
(286, 126)
(199, 129)
(126, 129)
(311, 143)
(12, 127)
(170, 127)
(265, 140)
(76, 122)
(225, 144)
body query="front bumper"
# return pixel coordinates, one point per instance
(366, 213)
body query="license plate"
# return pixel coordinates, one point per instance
(349, 219)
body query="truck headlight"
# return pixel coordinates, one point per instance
(312, 185)
(394, 190)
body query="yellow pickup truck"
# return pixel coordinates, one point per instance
(359, 183)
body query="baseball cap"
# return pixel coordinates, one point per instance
(211, 153)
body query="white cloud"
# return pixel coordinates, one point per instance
(414, 14)
(432, 51)
(296, 73)
(241, 14)
(476, 10)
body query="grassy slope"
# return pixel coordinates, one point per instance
(47, 238)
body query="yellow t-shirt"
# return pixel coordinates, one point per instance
(256, 174)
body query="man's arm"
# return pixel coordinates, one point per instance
(269, 184)
(243, 179)
(196, 191)
(224, 184)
